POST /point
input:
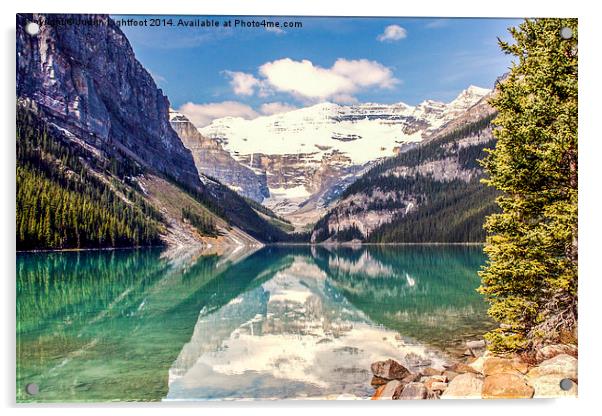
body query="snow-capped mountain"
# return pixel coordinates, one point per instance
(212, 160)
(306, 153)
(426, 186)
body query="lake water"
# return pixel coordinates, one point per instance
(279, 322)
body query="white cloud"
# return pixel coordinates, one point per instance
(392, 33)
(202, 114)
(275, 108)
(275, 30)
(304, 79)
(344, 99)
(311, 82)
(436, 24)
(157, 78)
(365, 73)
(242, 83)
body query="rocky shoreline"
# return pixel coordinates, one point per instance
(550, 373)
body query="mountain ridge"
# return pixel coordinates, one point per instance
(87, 80)
(94, 128)
(87, 87)
(309, 155)
(429, 193)
(212, 160)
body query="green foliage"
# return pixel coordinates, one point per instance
(68, 197)
(298, 237)
(349, 234)
(61, 203)
(321, 231)
(284, 226)
(265, 210)
(203, 222)
(280, 222)
(234, 209)
(531, 276)
(240, 214)
(453, 214)
(200, 195)
(429, 151)
(447, 211)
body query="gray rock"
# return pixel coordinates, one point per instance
(413, 391)
(546, 377)
(450, 374)
(86, 79)
(429, 382)
(414, 360)
(410, 378)
(477, 365)
(562, 365)
(213, 160)
(548, 386)
(475, 348)
(432, 395)
(468, 353)
(389, 369)
(475, 345)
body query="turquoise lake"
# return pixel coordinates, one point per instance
(278, 322)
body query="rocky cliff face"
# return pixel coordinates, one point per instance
(300, 187)
(310, 155)
(436, 177)
(85, 79)
(212, 160)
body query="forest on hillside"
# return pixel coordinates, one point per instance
(448, 211)
(62, 203)
(70, 198)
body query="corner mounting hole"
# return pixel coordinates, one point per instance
(566, 384)
(566, 33)
(32, 389)
(32, 28)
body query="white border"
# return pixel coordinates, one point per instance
(590, 141)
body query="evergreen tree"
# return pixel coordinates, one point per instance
(531, 275)
(62, 203)
(201, 221)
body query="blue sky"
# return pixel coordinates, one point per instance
(329, 59)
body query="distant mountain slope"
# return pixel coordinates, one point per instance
(86, 79)
(239, 213)
(309, 155)
(71, 196)
(212, 160)
(428, 193)
(62, 202)
(93, 129)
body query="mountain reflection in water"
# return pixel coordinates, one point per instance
(280, 322)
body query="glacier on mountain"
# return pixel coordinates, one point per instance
(315, 147)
